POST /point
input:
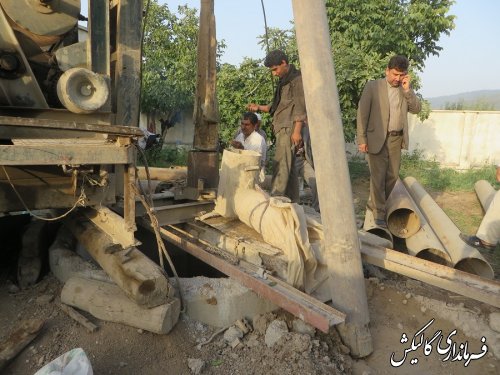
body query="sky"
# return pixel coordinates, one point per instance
(469, 61)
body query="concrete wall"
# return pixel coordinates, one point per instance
(182, 133)
(457, 139)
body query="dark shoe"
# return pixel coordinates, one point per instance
(380, 223)
(476, 242)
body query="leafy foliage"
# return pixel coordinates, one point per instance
(365, 34)
(236, 87)
(170, 59)
(478, 105)
(430, 174)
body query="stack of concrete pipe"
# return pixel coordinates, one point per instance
(429, 233)
(485, 193)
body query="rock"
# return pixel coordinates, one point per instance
(253, 341)
(236, 342)
(260, 322)
(12, 288)
(232, 333)
(45, 299)
(361, 368)
(299, 326)
(405, 302)
(413, 284)
(243, 325)
(494, 321)
(408, 295)
(423, 309)
(196, 365)
(300, 342)
(200, 327)
(400, 326)
(344, 349)
(275, 331)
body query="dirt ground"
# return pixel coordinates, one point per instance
(399, 307)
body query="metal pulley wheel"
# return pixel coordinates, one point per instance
(82, 91)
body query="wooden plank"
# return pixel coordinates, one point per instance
(65, 155)
(75, 315)
(113, 225)
(50, 192)
(107, 302)
(69, 125)
(18, 340)
(463, 283)
(162, 174)
(142, 280)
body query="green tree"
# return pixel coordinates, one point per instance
(236, 87)
(365, 33)
(170, 60)
(251, 82)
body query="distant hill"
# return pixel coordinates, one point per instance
(488, 100)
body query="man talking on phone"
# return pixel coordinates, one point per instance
(382, 130)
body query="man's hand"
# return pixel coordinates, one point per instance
(405, 83)
(237, 144)
(363, 148)
(252, 107)
(498, 173)
(296, 136)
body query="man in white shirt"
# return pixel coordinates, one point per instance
(258, 129)
(249, 138)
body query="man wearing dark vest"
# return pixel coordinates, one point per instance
(289, 114)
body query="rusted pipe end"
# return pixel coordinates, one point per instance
(434, 255)
(403, 222)
(475, 266)
(382, 233)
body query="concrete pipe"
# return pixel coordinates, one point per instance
(82, 91)
(463, 257)
(370, 227)
(485, 193)
(402, 221)
(425, 244)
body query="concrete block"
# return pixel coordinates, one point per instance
(220, 302)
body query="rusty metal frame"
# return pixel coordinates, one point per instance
(65, 154)
(180, 213)
(43, 123)
(303, 306)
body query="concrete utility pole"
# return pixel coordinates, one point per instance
(342, 244)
